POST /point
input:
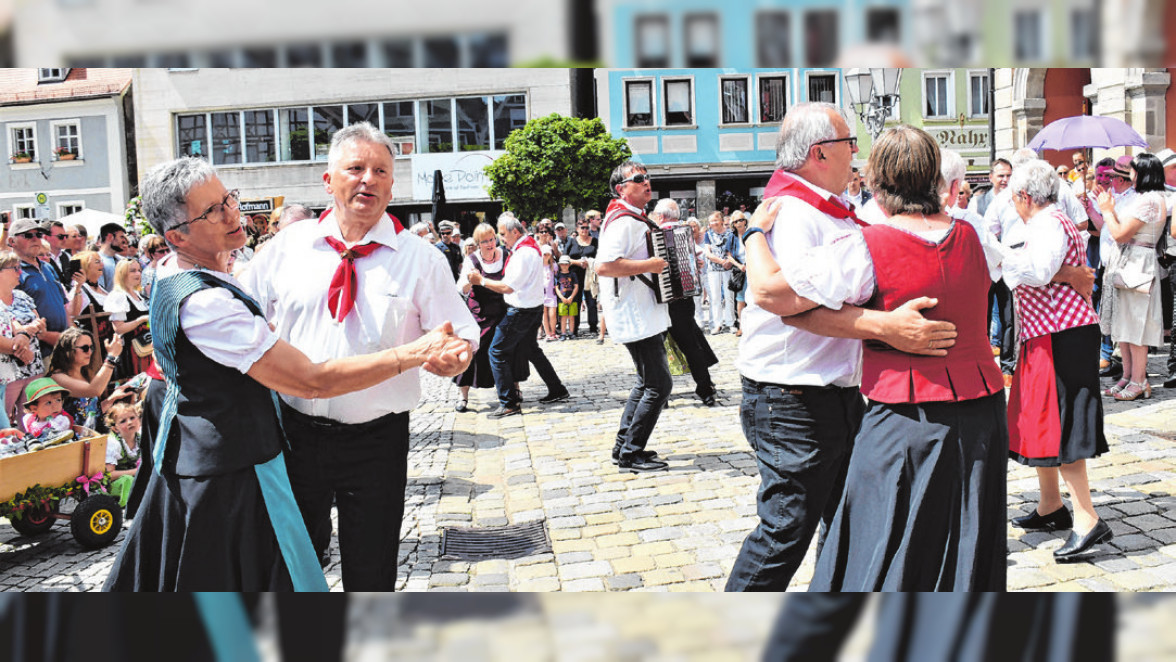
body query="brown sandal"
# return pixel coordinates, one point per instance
(1134, 391)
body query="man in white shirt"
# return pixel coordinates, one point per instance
(515, 341)
(348, 284)
(801, 405)
(854, 193)
(632, 313)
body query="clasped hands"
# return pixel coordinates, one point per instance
(443, 353)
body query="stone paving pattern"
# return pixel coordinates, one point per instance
(672, 531)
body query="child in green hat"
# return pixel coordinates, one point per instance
(43, 400)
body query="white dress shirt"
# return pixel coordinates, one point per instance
(404, 289)
(1011, 230)
(631, 310)
(774, 352)
(526, 275)
(218, 324)
(871, 212)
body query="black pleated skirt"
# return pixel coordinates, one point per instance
(201, 534)
(924, 502)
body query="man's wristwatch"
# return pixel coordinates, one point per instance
(750, 231)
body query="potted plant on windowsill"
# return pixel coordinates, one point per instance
(21, 157)
(65, 154)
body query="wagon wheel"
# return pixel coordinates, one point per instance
(97, 521)
(35, 522)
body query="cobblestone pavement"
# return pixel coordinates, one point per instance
(677, 530)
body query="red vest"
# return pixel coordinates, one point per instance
(954, 272)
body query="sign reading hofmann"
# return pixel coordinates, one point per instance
(965, 139)
(461, 172)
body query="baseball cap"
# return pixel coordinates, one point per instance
(23, 225)
(560, 226)
(564, 259)
(1167, 157)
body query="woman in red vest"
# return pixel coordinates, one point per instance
(924, 503)
(1055, 412)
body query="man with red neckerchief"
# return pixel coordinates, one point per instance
(522, 286)
(349, 284)
(632, 313)
(801, 405)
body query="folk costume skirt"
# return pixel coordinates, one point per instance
(924, 502)
(1055, 408)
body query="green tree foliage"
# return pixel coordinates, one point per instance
(553, 162)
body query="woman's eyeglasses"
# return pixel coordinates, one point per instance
(85, 348)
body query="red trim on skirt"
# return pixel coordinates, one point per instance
(1035, 426)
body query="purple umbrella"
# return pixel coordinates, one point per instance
(1086, 131)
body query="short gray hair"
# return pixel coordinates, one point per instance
(165, 191)
(420, 228)
(508, 221)
(668, 209)
(805, 125)
(1023, 155)
(1037, 179)
(951, 167)
(360, 131)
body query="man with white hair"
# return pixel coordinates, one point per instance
(515, 341)
(688, 335)
(802, 406)
(340, 287)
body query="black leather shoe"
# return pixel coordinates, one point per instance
(1170, 382)
(641, 464)
(559, 396)
(709, 400)
(645, 455)
(1058, 520)
(461, 407)
(1114, 371)
(503, 412)
(1076, 545)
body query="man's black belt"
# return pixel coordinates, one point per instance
(323, 423)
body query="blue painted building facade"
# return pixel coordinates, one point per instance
(749, 33)
(708, 136)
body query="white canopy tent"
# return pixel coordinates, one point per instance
(92, 219)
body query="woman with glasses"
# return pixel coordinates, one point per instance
(154, 249)
(128, 316)
(20, 357)
(93, 318)
(581, 247)
(487, 306)
(1132, 311)
(69, 366)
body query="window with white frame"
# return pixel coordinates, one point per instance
(638, 103)
(978, 86)
(51, 75)
(822, 87)
(1083, 33)
(22, 139)
(653, 41)
(936, 95)
(66, 208)
(1027, 38)
(735, 95)
(23, 211)
(773, 39)
(702, 40)
(67, 138)
(773, 98)
(678, 102)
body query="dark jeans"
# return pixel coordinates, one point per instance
(802, 437)
(517, 336)
(648, 397)
(363, 468)
(310, 627)
(1008, 328)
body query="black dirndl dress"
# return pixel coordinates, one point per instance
(488, 308)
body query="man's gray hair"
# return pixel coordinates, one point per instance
(1038, 179)
(420, 228)
(360, 131)
(507, 221)
(292, 214)
(951, 167)
(165, 191)
(1023, 155)
(805, 125)
(668, 209)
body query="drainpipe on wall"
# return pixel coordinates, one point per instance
(991, 117)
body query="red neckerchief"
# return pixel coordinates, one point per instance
(526, 242)
(616, 209)
(784, 184)
(341, 293)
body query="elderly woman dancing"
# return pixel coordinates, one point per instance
(1055, 414)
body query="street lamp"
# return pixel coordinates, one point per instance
(873, 107)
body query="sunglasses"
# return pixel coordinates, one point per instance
(639, 178)
(32, 234)
(85, 348)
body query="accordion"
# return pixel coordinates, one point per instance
(680, 279)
